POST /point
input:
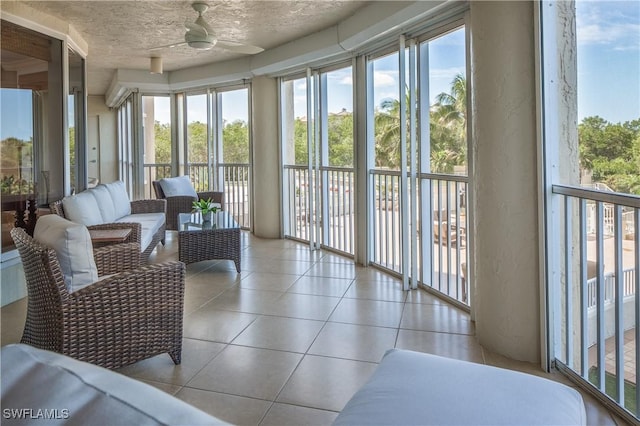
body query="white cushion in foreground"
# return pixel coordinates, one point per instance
(74, 250)
(76, 392)
(412, 388)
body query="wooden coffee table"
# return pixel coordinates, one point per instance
(100, 237)
(198, 241)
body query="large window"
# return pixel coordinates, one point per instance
(233, 166)
(32, 168)
(318, 149)
(593, 223)
(157, 133)
(419, 171)
(198, 140)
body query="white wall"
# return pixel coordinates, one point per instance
(266, 158)
(102, 139)
(507, 279)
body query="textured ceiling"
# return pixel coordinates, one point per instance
(120, 34)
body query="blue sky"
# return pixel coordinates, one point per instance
(608, 59)
(608, 36)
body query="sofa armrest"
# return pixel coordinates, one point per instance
(117, 258)
(148, 206)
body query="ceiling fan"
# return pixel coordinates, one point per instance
(201, 36)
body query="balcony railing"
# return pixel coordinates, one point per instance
(154, 171)
(441, 249)
(332, 223)
(236, 184)
(594, 283)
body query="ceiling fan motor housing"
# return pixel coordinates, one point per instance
(202, 43)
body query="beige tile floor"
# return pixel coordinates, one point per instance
(290, 339)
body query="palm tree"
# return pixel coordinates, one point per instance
(448, 127)
(387, 134)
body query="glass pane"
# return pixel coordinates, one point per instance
(340, 118)
(448, 103)
(608, 74)
(386, 112)
(294, 98)
(156, 124)
(32, 155)
(235, 130)
(197, 145)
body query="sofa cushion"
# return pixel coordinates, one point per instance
(411, 388)
(85, 394)
(105, 203)
(151, 223)
(120, 198)
(82, 208)
(176, 186)
(72, 244)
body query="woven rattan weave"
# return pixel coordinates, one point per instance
(218, 240)
(119, 320)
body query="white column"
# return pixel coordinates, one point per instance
(266, 158)
(507, 277)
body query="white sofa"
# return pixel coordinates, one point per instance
(412, 388)
(108, 207)
(43, 387)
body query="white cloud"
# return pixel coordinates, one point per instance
(446, 73)
(613, 24)
(385, 78)
(347, 80)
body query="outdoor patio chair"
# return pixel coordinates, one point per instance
(113, 321)
(184, 203)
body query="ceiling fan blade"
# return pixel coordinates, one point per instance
(169, 46)
(234, 46)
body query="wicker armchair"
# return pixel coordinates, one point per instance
(183, 204)
(119, 320)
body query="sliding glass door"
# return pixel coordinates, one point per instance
(318, 150)
(418, 180)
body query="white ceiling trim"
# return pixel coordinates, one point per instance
(370, 24)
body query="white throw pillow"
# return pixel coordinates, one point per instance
(176, 186)
(72, 244)
(82, 208)
(105, 203)
(120, 198)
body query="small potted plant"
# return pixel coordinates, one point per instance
(206, 208)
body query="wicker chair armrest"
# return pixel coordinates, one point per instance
(136, 229)
(56, 208)
(215, 196)
(148, 206)
(117, 258)
(131, 295)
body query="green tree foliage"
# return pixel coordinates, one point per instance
(235, 137)
(197, 142)
(340, 134)
(448, 127)
(611, 152)
(13, 151)
(162, 143)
